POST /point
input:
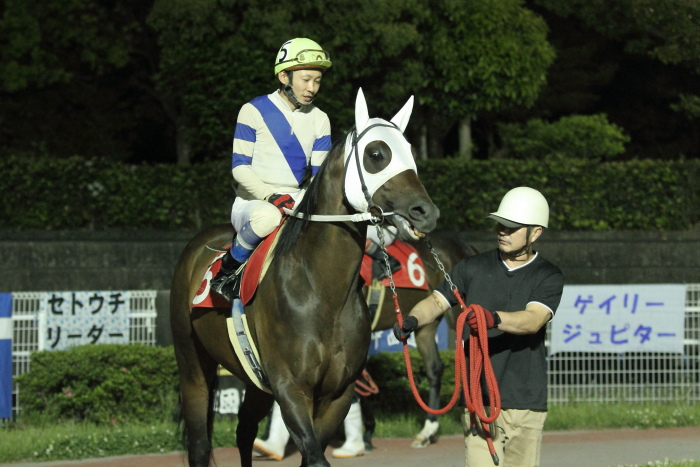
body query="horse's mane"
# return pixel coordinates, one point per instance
(294, 226)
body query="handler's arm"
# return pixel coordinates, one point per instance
(527, 321)
(428, 309)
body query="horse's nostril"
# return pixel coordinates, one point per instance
(424, 210)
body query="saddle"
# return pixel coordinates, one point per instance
(253, 272)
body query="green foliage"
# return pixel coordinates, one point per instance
(484, 55)
(664, 29)
(103, 384)
(94, 194)
(688, 105)
(395, 392)
(582, 194)
(576, 136)
(74, 441)
(50, 42)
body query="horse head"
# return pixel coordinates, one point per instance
(381, 175)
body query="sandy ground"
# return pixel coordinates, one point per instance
(603, 448)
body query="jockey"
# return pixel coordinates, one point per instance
(279, 142)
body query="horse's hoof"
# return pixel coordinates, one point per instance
(426, 435)
(342, 454)
(420, 442)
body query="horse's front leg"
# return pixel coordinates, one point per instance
(312, 432)
(434, 368)
(255, 406)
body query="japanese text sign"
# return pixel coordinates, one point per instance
(620, 318)
(79, 318)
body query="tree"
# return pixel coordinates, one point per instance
(639, 65)
(481, 57)
(74, 76)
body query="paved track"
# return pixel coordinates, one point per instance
(559, 449)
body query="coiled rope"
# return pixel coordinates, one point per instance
(468, 379)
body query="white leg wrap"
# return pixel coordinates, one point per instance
(354, 444)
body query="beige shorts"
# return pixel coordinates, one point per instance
(517, 438)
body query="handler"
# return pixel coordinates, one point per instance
(519, 292)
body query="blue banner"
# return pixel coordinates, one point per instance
(384, 341)
(5, 355)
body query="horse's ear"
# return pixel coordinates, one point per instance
(401, 119)
(361, 112)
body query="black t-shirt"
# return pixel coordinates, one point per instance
(519, 361)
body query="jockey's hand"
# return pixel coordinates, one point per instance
(281, 201)
(491, 317)
(410, 323)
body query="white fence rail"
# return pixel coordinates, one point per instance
(27, 329)
(632, 376)
(573, 376)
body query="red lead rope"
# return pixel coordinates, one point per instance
(469, 380)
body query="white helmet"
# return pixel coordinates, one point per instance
(522, 206)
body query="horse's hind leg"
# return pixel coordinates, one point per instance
(256, 405)
(197, 375)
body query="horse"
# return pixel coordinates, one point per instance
(450, 248)
(307, 318)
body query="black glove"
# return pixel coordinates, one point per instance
(281, 201)
(410, 323)
(492, 320)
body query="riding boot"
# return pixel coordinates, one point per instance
(227, 281)
(354, 445)
(276, 443)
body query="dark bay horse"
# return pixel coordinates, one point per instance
(450, 248)
(308, 318)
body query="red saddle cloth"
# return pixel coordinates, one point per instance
(249, 282)
(412, 273)
(410, 276)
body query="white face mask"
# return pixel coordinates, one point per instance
(367, 131)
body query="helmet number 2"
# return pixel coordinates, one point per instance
(416, 273)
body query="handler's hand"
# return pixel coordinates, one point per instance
(492, 319)
(410, 323)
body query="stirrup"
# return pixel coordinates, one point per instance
(227, 285)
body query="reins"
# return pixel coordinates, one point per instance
(468, 378)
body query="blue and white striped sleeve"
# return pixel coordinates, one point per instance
(244, 136)
(322, 145)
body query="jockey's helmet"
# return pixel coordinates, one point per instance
(522, 206)
(302, 54)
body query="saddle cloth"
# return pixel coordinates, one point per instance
(254, 270)
(411, 275)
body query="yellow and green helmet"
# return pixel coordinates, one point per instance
(302, 54)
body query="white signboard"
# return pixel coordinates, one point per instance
(79, 318)
(620, 318)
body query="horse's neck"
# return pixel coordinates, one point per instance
(345, 239)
